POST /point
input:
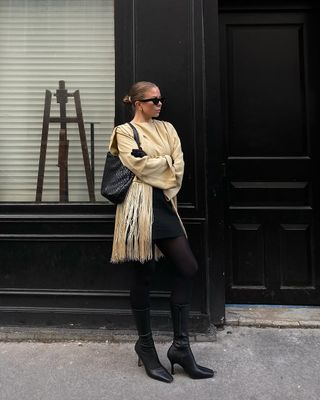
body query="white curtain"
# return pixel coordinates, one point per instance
(41, 43)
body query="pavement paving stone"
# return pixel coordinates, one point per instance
(285, 324)
(309, 324)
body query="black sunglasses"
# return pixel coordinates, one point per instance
(155, 100)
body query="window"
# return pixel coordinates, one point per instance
(43, 42)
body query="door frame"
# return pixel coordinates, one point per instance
(216, 148)
(216, 192)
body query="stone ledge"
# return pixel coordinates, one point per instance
(273, 317)
(309, 324)
(260, 323)
(47, 335)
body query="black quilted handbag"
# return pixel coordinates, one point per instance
(117, 178)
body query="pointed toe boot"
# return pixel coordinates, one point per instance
(180, 352)
(145, 348)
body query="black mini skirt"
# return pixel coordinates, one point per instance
(166, 223)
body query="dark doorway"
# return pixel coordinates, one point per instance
(270, 93)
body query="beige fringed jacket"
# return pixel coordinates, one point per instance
(163, 168)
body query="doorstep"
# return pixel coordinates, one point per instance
(272, 316)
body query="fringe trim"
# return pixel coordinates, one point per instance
(133, 226)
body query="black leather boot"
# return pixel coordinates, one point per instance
(146, 350)
(180, 351)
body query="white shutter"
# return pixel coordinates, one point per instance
(42, 42)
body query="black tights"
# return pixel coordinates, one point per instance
(180, 256)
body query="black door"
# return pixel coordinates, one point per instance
(270, 93)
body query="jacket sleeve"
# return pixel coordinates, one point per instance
(156, 171)
(178, 162)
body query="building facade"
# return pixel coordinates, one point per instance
(242, 89)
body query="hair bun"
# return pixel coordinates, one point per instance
(127, 99)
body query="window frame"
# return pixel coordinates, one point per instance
(124, 76)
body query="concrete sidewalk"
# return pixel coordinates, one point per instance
(251, 364)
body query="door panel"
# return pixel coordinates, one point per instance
(264, 75)
(269, 99)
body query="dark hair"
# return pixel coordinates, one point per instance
(137, 92)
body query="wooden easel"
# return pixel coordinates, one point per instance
(62, 98)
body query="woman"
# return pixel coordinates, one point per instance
(147, 226)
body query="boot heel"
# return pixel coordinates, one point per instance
(172, 369)
(139, 362)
